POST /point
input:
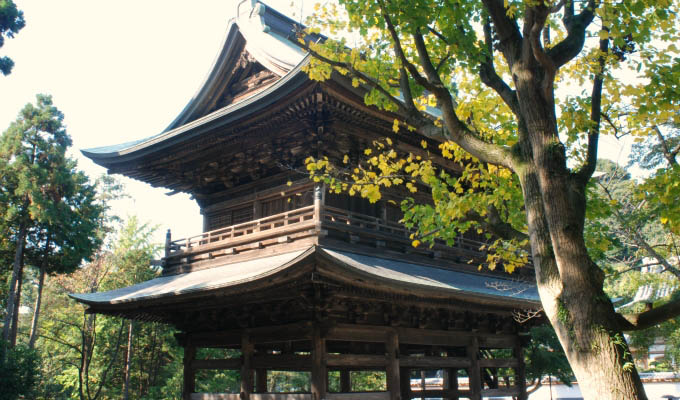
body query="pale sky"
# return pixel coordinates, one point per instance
(123, 70)
(119, 71)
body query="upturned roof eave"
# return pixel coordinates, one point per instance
(131, 150)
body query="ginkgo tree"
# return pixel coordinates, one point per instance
(518, 93)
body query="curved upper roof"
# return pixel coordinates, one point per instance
(265, 35)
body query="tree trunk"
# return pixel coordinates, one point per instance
(16, 272)
(570, 284)
(38, 300)
(128, 361)
(17, 304)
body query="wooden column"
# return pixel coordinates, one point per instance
(261, 380)
(405, 386)
(189, 372)
(520, 373)
(319, 371)
(246, 366)
(345, 381)
(392, 369)
(451, 382)
(474, 373)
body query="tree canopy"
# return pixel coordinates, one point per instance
(11, 22)
(517, 93)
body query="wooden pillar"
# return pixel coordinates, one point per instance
(405, 378)
(189, 372)
(474, 373)
(261, 380)
(319, 371)
(520, 373)
(246, 366)
(451, 382)
(392, 369)
(345, 381)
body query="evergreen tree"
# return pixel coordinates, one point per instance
(11, 22)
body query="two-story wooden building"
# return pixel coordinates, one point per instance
(295, 277)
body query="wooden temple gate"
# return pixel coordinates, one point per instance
(397, 351)
(290, 276)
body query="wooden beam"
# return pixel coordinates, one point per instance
(225, 363)
(354, 360)
(319, 372)
(498, 363)
(501, 392)
(189, 372)
(392, 370)
(451, 382)
(215, 396)
(433, 362)
(283, 362)
(246, 366)
(358, 396)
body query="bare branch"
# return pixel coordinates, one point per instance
(668, 154)
(507, 29)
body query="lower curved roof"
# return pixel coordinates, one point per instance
(370, 270)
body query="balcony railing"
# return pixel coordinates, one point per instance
(321, 224)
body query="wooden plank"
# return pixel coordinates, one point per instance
(281, 396)
(441, 393)
(224, 363)
(319, 371)
(189, 372)
(268, 334)
(430, 362)
(215, 396)
(290, 362)
(500, 341)
(501, 392)
(354, 360)
(358, 396)
(432, 337)
(392, 369)
(357, 333)
(498, 363)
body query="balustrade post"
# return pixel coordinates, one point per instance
(318, 203)
(168, 243)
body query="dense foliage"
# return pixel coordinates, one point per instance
(11, 22)
(516, 94)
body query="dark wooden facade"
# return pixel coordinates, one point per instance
(294, 278)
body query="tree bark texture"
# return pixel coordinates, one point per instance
(570, 284)
(38, 300)
(16, 275)
(128, 362)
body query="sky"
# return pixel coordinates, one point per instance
(119, 71)
(122, 71)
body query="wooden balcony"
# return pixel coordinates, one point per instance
(307, 226)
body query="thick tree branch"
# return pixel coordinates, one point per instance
(493, 223)
(650, 318)
(507, 29)
(488, 75)
(571, 46)
(588, 168)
